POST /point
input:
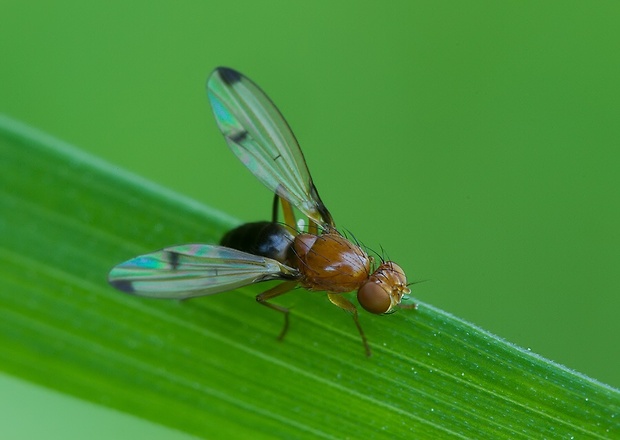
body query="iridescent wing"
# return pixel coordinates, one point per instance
(260, 137)
(194, 270)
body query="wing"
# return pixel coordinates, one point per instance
(260, 137)
(194, 270)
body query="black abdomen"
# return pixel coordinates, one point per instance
(268, 239)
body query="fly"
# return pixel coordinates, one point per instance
(318, 259)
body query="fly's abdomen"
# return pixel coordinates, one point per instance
(267, 239)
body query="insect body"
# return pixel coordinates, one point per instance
(320, 259)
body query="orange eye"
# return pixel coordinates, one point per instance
(373, 297)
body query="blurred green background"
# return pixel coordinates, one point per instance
(477, 142)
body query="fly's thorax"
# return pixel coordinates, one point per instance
(384, 289)
(330, 262)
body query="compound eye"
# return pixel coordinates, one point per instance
(373, 297)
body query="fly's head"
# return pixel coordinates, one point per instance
(384, 289)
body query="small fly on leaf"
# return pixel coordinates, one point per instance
(318, 259)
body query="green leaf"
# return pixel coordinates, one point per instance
(212, 366)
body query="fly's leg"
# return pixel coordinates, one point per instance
(274, 209)
(287, 211)
(348, 306)
(312, 227)
(289, 215)
(289, 219)
(278, 290)
(413, 306)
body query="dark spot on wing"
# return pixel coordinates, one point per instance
(238, 137)
(173, 259)
(122, 285)
(229, 76)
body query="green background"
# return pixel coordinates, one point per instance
(478, 143)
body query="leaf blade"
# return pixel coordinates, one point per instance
(212, 367)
